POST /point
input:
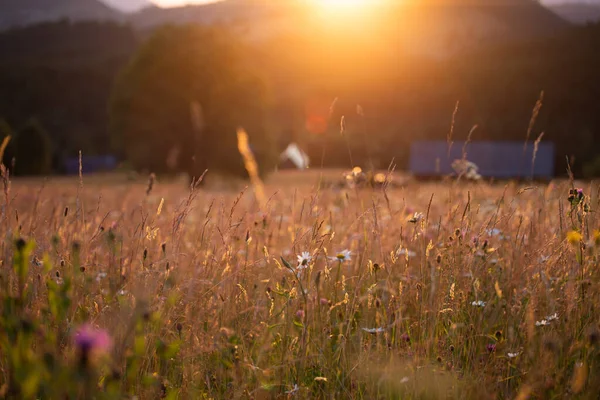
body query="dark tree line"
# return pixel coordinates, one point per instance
(61, 74)
(102, 88)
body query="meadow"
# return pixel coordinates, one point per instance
(121, 289)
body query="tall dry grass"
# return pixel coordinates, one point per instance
(451, 291)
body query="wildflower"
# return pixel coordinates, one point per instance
(574, 237)
(552, 317)
(90, 340)
(405, 338)
(293, 390)
(417, 217)
(344, 255)
(100, 276)
(546, 321)
(513, 355)
(300, 314)
(467, 169)
(380, 178)
(490, 347)
(324, 301)
(576, 196)
(122, 292)
(405, 252)
(373, 330)
(494, 232)
(304, 259)
(478, 303)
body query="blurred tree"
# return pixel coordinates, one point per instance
(62, 72)
(178, 104)
(33, 150)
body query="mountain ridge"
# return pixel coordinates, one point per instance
(20, 13)
(577, 13)
(443, 28)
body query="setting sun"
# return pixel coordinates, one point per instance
(343, 3)
(354, 8)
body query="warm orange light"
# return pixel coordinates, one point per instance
(346, 7)
(341, 4)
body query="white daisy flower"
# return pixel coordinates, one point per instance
(546, 321)
(304, 259)
(416, 217)
(100, 276)
(37, 262)
(495, 232)
(344, 255)
(293, 390)
(552, 317)
(513, 355)
(478, 303)
(373, 330)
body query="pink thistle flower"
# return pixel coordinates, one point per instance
(89, 339)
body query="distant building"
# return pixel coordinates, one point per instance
(90, 164)
(502, 160)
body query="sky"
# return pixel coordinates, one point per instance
(129, 5)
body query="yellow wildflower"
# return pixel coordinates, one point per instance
(597, 237)
(574, 237)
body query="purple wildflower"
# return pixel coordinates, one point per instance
(88, 339)
(491, 347)
(405, 338)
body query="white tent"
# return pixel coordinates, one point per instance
(294, 155)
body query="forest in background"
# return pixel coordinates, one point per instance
(62, 74)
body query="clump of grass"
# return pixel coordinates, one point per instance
(423, 291)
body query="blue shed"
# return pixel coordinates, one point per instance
(494, 159)
(90, 164)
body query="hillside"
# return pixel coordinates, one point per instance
(577, 13)
(425, 27)
(254, 11)
(442, 29)
(14, 13)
